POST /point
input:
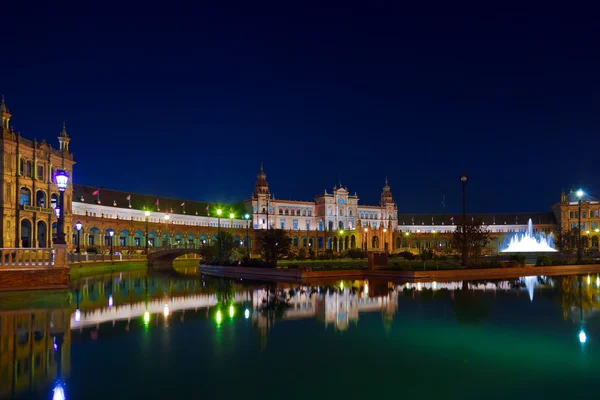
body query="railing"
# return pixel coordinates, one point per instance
(93, 257)
(24, 257)
(38, 209)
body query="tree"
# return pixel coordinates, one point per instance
(273, 244)
(470, 237)
(225, 239)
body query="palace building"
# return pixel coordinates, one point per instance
(332, 220)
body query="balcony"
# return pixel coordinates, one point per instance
(27, 207)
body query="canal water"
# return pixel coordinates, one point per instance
(127, 335)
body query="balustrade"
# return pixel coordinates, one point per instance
(26, 257)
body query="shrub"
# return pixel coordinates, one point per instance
(92, 250)
(407, 255)
(302, 254)
(543, 261)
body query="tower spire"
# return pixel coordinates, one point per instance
(2, 105)
(4, 115)
(261, 185)
(64, 139)
(64, 130)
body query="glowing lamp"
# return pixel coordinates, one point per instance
(77, 316)
(110, 301)
(167, 217)
(366, 229)
(219, 212)
(384, 230)
(58, 393)
(78, 225)
(342, 232)
(111, 233)
(247, 216)
(582, 336)
(247, 313)
(580, 193)
(61, 179)
(463, 178)
(406, 234)
(232, 215)
(147, 213)
(587, 232)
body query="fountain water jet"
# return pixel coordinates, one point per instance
(530, 243)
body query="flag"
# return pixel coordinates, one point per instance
(183, 204)
(128, 198)
(96, 193)
(156, 202)
(452, 219)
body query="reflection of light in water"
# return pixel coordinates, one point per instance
(146, 318)
(530, 282)
(166, 310)
(219, 317)
(58, 393)
(582, 337)
(247, 314)
(231, 311)
(77, 316)
(530, 242)
(110, 301)
(366, 288)
(589, 279)
(419, 286)
(434, 285)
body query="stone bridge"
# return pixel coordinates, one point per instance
(162, 257)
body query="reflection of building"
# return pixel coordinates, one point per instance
(31, 343)
(29, 194)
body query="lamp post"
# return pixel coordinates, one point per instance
(167, 230)
(366, 238)
(78, 227)
(219, 212)
(147, 214)
(407, 244)
(61, 179)
(341, 241)
(385, 242)
(111, 233)
(231, 217)
(247, 218)
(463, 181)
(579, 251)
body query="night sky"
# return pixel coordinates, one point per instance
(187, 102)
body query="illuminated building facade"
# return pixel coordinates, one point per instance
(29, 196)
(567, 215)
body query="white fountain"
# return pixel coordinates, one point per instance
(530, 243)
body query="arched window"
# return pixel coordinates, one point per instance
(298, 212)
(25, 197)
(293, 212)
(304, 213)
(40, 199)
(341, 225)
(281, 211)
(287, 212)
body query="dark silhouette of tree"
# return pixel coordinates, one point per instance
(273, 244)
(471, 236)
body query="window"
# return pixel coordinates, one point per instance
(122, 241)
(571, 214)
(295, 224)
(25, 197)
(40, 173)
(280, 211)
(350, 212)
(137, 241)
(28, 169)
(287, 212)
(21, 166)
(304, 213)
(596, 213)
(583, 214)
(282, 224)
(292, 212)
(310, 213)
(307, 225)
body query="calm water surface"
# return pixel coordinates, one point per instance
(129, 335)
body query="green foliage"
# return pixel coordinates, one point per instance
(407, 255)
(302, 254)
(355, 254)
(543, 261)
(517, 260)
(273, 244)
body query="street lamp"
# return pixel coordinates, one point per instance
(385, 242)
(366, 239)
(61, 179)
(231, 217)
(147, 214)
(111, 233)
(219, 212)
(463, 180)
(247, 218)
(341, 241)
(78, 226)
(166, 217)
(579, 251)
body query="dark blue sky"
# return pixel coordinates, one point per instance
(187, 102)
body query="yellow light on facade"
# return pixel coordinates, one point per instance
(589, 280)
(342, 285)
(366, 229)
(384, 230)
(433, 231)
(167, 217)
(147, 213)
(406, 234)
(587, 232)
(341, 232)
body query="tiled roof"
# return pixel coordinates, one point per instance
(488, 219)
(84, 194)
